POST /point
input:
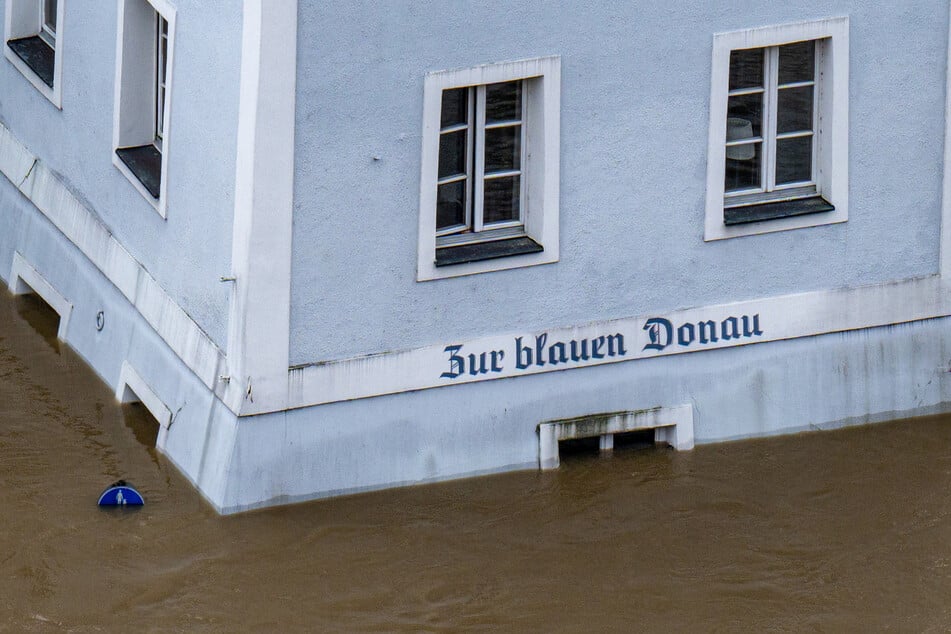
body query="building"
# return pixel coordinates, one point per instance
(340, 247)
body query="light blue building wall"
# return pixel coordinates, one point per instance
(635, 102)
(320, 365)
(191, 248)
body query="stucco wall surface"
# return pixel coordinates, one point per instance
(803, 384)
(634, 132)
(189, 251)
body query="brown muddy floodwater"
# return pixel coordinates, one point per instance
(845, 531)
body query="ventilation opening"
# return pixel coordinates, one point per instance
(41, 317)
(595, 445)
(610, 430)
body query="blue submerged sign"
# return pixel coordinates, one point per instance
(121, 494)
(546, 352)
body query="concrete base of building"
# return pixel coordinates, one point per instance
(242, 463)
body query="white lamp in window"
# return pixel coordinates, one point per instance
(736, 130)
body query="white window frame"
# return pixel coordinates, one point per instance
(48, 34)
(136, 89)
(541, 96)
(831, 125)
(24, 18)
(474, 229)
(161, 78)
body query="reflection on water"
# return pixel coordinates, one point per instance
(41, 318)
(835, 531)
(144, 428)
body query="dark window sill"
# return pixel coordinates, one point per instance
(486, 251)
(36, 54)
(774, 210)
(145, 163)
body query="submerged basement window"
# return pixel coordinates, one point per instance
(40, 316)
(638, 439)
(140, 421)
(601, 432)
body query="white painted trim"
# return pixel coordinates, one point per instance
(49, 194)
(25, 279)
(541, 176)
(15, 26)
(259, 322)
(832, 176)
(783, 317)
(132, 388)
(945, 231)
(673, 425)
(134, 82)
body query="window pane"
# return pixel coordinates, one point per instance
(500, 199)
(745, 116)
(503, 102)
(454, 107)
(49, 14)
(451, 204)
(503, 149)
(793, 160)
(746, 69)
(743, 167)
(452, 153)
(794, 109)
(796, 62)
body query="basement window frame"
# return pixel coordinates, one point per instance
(33, 44)
(822, 200)
(145, 54)
(477, 246)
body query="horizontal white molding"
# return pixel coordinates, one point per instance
(767, 319)
(52, 198)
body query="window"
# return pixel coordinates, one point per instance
(489, 184)
(779, 129)
(33, 37)
(479, 194)
(143, 66)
